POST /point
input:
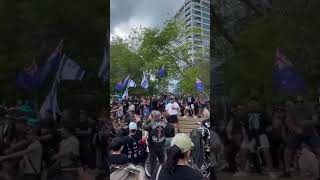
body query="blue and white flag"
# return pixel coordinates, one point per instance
(50, 105)
(144, 82)
(199, 85)
(53, 62)
(70, 70)
(125, 82)
(104, 68)
(132, 83)
(162, 72)
(125, 94)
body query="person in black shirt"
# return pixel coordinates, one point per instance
(255, 124)
(132, 146)
(177, 165)
(116, 147)
(156, 140)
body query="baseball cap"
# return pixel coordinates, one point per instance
(133, 126)
(183, 141)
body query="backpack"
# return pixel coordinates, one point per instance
(198, 150)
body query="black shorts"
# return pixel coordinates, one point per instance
(173, 119)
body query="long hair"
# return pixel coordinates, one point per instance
(174, 154)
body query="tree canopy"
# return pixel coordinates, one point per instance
(148, 49)
(291, 26)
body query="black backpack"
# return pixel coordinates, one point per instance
(198, 149)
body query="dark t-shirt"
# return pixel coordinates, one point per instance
(169, 130)
(157, 134)
(255, 123)
(118, 159)
(132, 150)
(181, 173)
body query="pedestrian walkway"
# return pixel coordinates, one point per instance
(187, 124)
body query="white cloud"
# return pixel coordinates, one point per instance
(130, 14)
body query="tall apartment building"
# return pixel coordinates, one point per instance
(196, 14)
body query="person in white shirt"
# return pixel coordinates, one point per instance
(173, 110)
(131, 107)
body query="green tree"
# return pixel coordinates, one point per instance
(289, 26)
(148, 49)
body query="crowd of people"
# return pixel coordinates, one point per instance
(140, 137)
(32, 149)
(279, 142)
(151, 133)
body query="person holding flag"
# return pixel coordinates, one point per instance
(199, 85)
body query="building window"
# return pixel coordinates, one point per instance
(197, 24)
(205, 9)
(206, 4)
(197, 18)
(206, 26)
(196, 12)
(188, 20)
(206, 15)
(187, 15)
(206, 32)
(187, 3)
(206, 20)
(187, 10)
(197, 7)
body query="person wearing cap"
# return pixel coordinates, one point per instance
(177, 164)
(156, 140)
(131, 146)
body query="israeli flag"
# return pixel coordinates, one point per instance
(125, 94)
(50, 105)
(70, 70)
(144, 82)
(132, 83)
(125, 82)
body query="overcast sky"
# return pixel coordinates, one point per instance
(128, 14)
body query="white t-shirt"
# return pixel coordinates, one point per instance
(131, 107)
(69, 146)
(31, 162)
(172, 108)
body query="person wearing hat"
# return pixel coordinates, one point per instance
(131, 145)
(177, 164)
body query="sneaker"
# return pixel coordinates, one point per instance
(240, 174)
